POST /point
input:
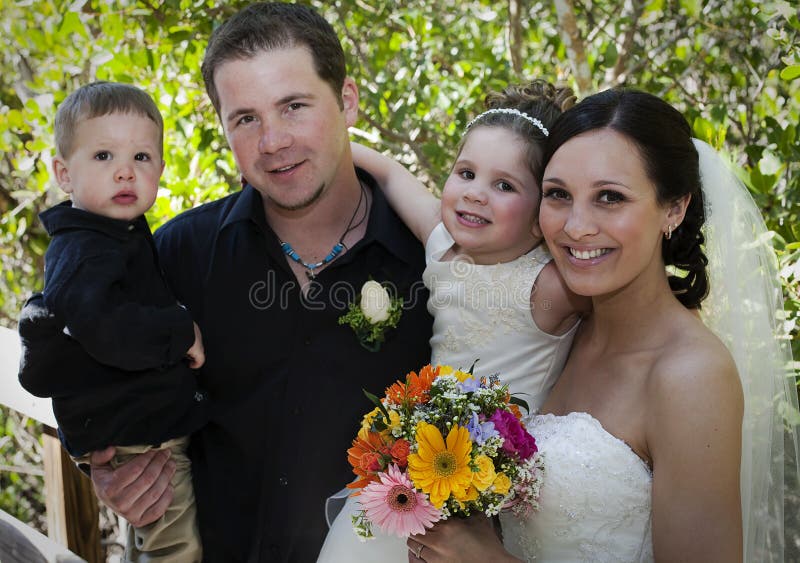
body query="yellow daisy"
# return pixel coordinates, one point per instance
(440, 468)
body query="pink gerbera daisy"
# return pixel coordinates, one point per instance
(395, 506)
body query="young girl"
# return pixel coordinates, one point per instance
(494, 294)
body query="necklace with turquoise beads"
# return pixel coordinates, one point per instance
(337, 248)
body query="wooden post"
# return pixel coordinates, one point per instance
(73, 517)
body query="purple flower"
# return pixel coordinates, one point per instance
(516, 439)
(479, 431)
(469, 385)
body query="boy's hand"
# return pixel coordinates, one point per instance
(196, 354)
(139, 490)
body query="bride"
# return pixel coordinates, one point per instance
(662, 439)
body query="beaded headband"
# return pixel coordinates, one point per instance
(510, 111)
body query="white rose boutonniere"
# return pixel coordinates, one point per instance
(375, 302)
(375, 313)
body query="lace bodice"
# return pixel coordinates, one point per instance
(483, 312)
(595, 502)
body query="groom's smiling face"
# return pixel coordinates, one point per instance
(286, 127)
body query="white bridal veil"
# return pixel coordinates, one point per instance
(745, 308)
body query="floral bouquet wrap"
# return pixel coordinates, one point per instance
(442, 443)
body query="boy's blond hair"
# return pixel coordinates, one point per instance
(98, 99)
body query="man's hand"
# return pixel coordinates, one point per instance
(196, 354)
(139, 490)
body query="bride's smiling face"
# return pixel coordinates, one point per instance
(600, 214)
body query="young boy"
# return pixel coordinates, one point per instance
(132, 345)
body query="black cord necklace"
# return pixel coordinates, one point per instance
(337, 248)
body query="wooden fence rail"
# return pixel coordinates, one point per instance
(72, 511)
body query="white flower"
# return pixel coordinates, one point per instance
(375, 302)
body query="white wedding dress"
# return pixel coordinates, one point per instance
(595, 501)
(594, 504)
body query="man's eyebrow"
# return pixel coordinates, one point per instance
(281, 101)
(294, 96)
(237, 112)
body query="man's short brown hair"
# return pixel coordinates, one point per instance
(266, 26)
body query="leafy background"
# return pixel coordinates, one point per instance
(423, 67)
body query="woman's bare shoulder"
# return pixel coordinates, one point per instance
(695, 363)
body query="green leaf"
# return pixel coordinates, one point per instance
(519, 402)
(703, 129)
(761, 182)
(377, 402)
(610, 55)
(72, 24)
(790, 72)
(692, 7)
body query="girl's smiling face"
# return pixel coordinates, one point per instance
(491, 198)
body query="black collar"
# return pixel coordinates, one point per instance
(383, 227)
(64, 216)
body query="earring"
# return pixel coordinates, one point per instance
(668, 234)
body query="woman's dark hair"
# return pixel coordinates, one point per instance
(664, 140)
(538, 99)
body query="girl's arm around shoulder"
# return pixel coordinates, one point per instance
(554, 307)
(419, 209)
(693, 433)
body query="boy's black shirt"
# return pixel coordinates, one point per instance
(121, 378)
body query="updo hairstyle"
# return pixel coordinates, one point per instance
(538, 99)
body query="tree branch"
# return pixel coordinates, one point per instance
(515, 9)
(624, 48)
(362, 60)
(403, 139)
(570, 36)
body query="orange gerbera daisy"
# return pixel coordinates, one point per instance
(415, 389)
(366, 456)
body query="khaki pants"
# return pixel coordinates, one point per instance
(174, 536)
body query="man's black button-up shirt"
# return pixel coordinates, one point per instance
(285, 376)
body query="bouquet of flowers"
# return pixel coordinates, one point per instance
(442, 443)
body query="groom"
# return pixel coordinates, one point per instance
(285, 377)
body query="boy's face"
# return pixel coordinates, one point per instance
(115, 167)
